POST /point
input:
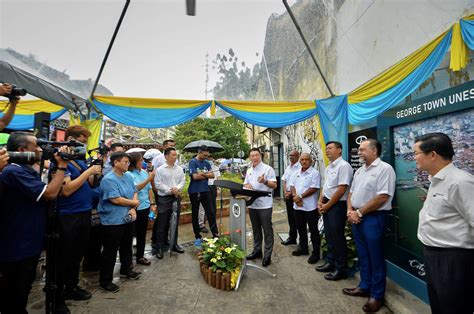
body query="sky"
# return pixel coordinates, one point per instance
(159, 52)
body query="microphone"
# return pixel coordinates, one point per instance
(191, 7)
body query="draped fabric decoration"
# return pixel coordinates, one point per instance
(148, 112)
(467, 31)
(369, 109)
(269, 114)
(25, 110)
(332, 114)
(94, 126)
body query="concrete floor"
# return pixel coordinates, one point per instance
(174, 284)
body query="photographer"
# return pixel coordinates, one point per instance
(74, 207)
(5, 90)
(23, 222)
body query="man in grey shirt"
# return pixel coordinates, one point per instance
(446, 226)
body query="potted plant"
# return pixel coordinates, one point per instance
(220, 261)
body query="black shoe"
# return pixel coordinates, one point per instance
(110, 286)
(77, 294)
(61, 308)
(254, 255)
(336, 275)
(325, 268)
(159, 253)
(299, 252)
(266, 261)
(313, 259)
(131, 274)
(178, 249)
(204, 230)
(288, 241)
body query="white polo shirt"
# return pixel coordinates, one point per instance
(251, 177)
(447, 217)
(302, 181)
(368, 182)
(338, 172)
(289, 171)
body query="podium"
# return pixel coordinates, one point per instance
(237, 224)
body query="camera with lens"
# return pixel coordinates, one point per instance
(16, 92)
(77, 150)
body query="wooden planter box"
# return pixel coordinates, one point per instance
(218, 279)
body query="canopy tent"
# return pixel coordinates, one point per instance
(334, 114)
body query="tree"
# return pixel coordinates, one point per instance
(236, 80)
(229, 132)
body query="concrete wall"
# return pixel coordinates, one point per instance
(353, 41)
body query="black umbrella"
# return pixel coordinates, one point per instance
(173, 225)
(211, 146)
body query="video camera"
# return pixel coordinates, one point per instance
(49, 149)
(16, 92)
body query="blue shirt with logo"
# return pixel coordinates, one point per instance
(198, 166)
(113, 186)
(81, 200)
(22, 213)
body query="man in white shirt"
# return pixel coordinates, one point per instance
(446, 226)
(333, 206)
(160, 159)
(305, 185)
(261, 177)
(169, 182)
(368, 202)
(293, 167)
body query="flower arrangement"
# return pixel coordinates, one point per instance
(222, 256)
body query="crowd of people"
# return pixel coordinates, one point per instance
(102, 206)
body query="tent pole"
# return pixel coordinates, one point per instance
(110, 47)
(307, 45)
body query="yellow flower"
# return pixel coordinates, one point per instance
(209, 250)
(213, 260)
(228, 250)
(212, 245)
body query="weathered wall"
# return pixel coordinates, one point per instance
(353, 41)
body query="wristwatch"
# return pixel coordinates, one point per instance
(359, 213)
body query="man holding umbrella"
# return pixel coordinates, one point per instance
(200, 171)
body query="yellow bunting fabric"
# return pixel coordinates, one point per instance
(150, 103)
(322, 140)
(94, 126)
(30, 107)
(268, 107)
(395, 74)
(459, 50)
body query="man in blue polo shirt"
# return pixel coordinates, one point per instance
(22, 224)
(74, 205)
(200, 171)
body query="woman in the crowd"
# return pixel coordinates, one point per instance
(142, 179)
(117, 211)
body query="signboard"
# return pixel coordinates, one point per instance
(355, 138)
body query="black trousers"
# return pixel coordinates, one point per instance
(334, 225)
(290, 212)
(74, 231)
(309, 218)
(203, 198)
(213, 190)
(92, 255)
(450, 277)
(16, 279)
(115, 237)
(162, 228)
(261, 219)
(141, 226)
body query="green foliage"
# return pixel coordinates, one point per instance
(228, 132)
(222, 254)
(351, 248)
(236, 80)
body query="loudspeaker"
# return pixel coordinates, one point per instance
(191, 7)
(41, 125)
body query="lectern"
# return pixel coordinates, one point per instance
(237, 224)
